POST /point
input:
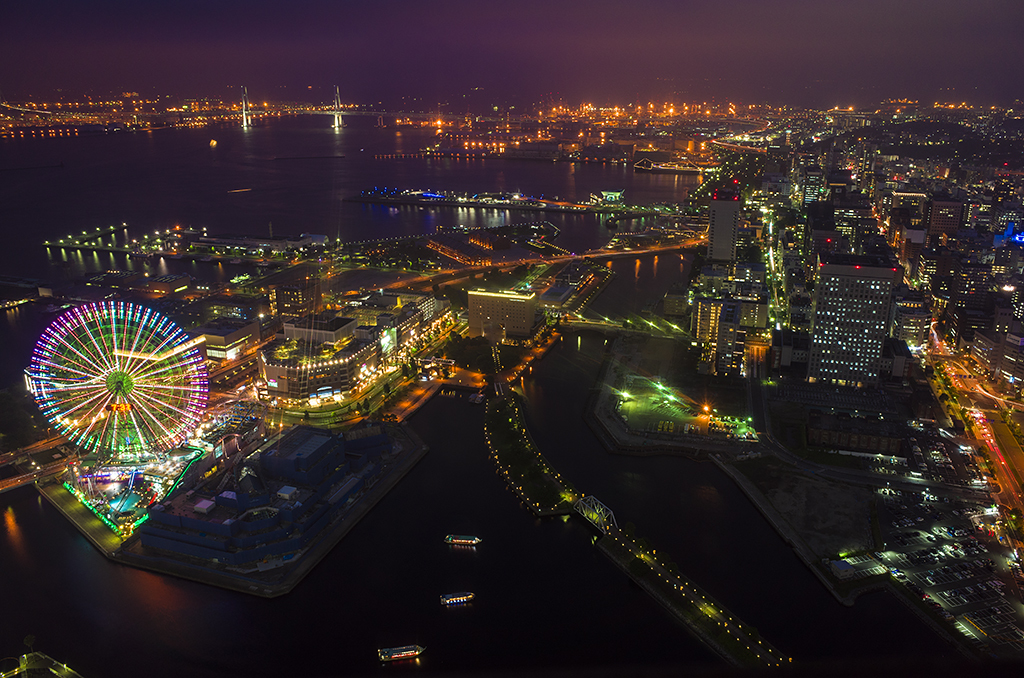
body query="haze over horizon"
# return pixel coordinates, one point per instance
(799, 52)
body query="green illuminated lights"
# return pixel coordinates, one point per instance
(120, 383)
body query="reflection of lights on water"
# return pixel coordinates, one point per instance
(13, 529)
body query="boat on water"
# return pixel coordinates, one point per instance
(647, 165)
(391, 654)
(462, 539)
(461, 598)
(235, 261)
(140, 255)
(206, 258)
(174, 256)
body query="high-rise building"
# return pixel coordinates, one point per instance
(812, 184)
(851, 319)
(911, 317)
(915, 201)
(731, 339)
(718, 326)
(501, 313)
(297, 300)
(968, 299)
(723, 225)
(943, 217)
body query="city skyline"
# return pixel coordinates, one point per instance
(506, 338)
(795, 52)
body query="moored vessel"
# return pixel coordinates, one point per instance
(461, 598)
(462, 539)
(391, 654)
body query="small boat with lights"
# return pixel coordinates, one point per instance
(461, 598)
(393, 654)
(464, 539)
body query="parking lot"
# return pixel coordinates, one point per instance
(946, 551)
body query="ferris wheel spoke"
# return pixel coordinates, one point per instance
(138, 409)
(154, 369)
(140, 336)
(162, 404)
(100, 354)
(103, 313)
(93, 406)
(151, 437)
(78, 386)
(161, 374)
(91, 425)
(89, 363)
(146, 353)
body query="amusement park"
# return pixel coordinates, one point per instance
(128, 389)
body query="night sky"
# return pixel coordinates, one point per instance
(803, 52)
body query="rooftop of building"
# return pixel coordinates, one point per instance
(504, 294)
(223, 325)
(299, 441)
(861, 425)
(328, 321)
(284, 352)
(855, 260)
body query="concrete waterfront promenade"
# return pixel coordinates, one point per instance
(530, 476)
(267, 580)
(729, 638)
(732, 640)
(803, 551)
(87, 522)
(784, 529)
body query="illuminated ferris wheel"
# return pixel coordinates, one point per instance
(119, 379)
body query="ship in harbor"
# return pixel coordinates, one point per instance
(648, 165)
(462, 539)
(461, 598)
(392, 654)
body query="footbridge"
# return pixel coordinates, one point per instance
(32, 476)
(597, 513)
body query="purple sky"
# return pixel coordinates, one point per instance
(806, 52)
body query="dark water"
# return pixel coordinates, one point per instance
(695, 514)
(158, 179)
(546, 597)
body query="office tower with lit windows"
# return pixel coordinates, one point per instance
(911, 317)
(969, 307)
(297, 300)
(723, 225)
(852, 298)
(943, 217)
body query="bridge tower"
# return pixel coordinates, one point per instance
(596, 512)
(246, 118)
(338, 121)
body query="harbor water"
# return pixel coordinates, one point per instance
(545, 596)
